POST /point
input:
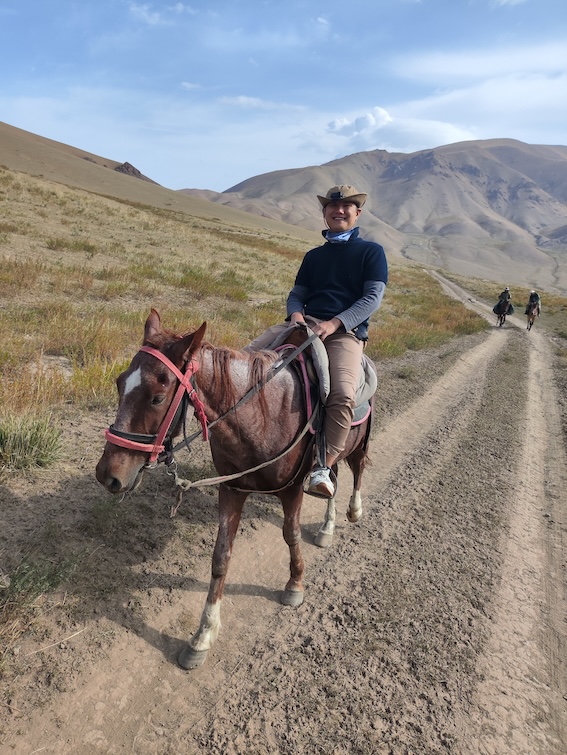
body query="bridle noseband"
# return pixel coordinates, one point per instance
(161, 443)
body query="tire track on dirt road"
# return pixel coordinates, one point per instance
(530, 632)
(524, 666)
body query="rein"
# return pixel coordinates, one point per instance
(276, 367)
(159, 446)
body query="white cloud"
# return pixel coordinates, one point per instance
(375, 119)
(181, 8)
(255, 103)
(189, 86)
(442, 67)
(145, 14)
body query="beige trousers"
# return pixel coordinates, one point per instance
(345, 357)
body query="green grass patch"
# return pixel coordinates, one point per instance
(21, 596)
(28, 441)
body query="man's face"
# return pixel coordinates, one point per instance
(341, 215)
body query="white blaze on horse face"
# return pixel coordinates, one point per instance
(133, 381)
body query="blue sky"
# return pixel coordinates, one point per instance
(206, 94)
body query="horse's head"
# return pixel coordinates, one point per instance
(147, 397)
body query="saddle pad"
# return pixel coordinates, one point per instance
(368, 380)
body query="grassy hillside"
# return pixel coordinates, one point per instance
(80, 273)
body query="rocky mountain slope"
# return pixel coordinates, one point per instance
(495, 208)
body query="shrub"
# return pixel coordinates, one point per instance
(28, 441)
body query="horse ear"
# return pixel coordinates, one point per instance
(198, 337)
(153, 325)
(183, 350)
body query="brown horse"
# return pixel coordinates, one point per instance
(502, 309)
(261, 445)
(532, 312)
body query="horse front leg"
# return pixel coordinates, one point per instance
(325, 534)
(230, 510)
(324, 537)
(292, 499)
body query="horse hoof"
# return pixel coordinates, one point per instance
(354, 516)
(291, 598)
(190, 659)
(323, 540)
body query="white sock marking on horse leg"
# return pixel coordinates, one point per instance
(207, 633)
(328, 526)
(355, 506)
(133, 381)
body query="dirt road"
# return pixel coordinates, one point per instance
(436, 624)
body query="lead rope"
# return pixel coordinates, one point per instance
(185, 484)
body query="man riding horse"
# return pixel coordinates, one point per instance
(337, 288)
(534, 300)
(504, 301)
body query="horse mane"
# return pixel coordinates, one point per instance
(222, 390)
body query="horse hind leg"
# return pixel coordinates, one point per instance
(195, 652)
(357, 463)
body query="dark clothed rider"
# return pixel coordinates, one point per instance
(504, 301)
(534, 299)
(338, 287)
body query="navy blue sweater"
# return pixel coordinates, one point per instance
(335, 277)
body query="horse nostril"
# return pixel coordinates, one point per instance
(113, 485)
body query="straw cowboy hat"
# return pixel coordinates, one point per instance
(344, 193)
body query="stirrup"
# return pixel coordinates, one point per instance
(316, 494)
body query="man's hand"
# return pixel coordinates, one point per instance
(296, 318)
(327, 327)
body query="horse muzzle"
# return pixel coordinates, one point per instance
(119, 472)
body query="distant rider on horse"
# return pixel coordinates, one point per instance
(534, 299)
(504, 303)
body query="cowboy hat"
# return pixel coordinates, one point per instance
(344, 193)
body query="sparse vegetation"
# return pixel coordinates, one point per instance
(21, 596)
(28, 441)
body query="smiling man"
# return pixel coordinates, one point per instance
(337, 288)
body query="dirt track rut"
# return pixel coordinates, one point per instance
(436, 624)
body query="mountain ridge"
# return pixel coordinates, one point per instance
(493, 209)
(477, 208)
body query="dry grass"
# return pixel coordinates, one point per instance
(80, 273)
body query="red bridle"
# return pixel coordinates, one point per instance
(154, 444)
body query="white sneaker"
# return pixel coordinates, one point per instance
(320, 482)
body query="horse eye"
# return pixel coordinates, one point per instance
(156, 400)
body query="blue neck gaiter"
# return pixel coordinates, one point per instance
(338, 237)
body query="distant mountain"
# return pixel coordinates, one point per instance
(495, 209)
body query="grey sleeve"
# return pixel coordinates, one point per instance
(365, 306)
(296, 299)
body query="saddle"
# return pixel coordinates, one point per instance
(313, 369)
(317, 366)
